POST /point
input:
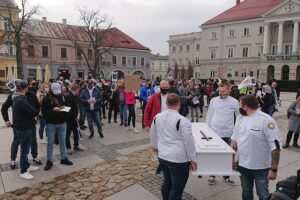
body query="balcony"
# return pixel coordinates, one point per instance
(283, 57)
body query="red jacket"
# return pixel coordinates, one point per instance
(153, 107)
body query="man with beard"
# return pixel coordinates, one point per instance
(221, 115)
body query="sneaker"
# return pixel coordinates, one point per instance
(285, 146)
(13, 165)
(229, 181)
(121, 124)
(135, 130)
(91, 136)
(296, 145)
(101, 135)
(77, 149)
(211, 181)
(43, 141)
(32, 168)
(26, 176)
(48, 166)
(37, 161)
(82, 128)
(109, 121)
(69, 151)
(66, 161)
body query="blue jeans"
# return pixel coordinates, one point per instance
(123, 112)
(25, 142)
(16, 142)
(272, 110)
(60, 130)
(42, 123)
(94, 115)
(82, 115)
(175, 179)
(260, 177)
(184, 109)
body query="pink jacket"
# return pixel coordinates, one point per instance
(129, 98)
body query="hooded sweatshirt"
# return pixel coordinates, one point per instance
(23, 113)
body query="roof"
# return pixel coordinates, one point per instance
(158, 57)
(113, 36)
(248, 9)
(8, 3)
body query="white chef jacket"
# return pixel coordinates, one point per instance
(221, 114)
(255, 136)
(177, 146)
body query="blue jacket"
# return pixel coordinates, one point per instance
(85, 96)
(144, 93)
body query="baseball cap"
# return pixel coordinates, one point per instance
(21, 84)
(56, 88)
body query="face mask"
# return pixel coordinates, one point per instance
(149, 85)
(243, 112)
(47, 90)
(164, 91)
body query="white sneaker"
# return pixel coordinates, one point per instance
(43, 141)
(26, 176)
(32, 168)
(135, 130)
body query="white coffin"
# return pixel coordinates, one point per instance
(214, 156)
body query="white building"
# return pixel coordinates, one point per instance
(159, 66)
(255, 37)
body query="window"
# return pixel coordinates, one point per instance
(213, 54)
(246, 32)
(251, 73)
(2, 73)
(212, 73)
(45, 52)
(180, 62)
(10, 50)
(187, 61)
(90, 53)
(197, 61)
(142, 61)
(174, 48)
(198, 47)
(124, 60)
(231, 33)
(261, 30)
(114, 60)
(214, 35)
(63, 52)
(260, 51)
(274, 50)
(7, 24)
(230, 53)
(30, 50)
(79, 54)
(134, 61)
(288, 49)
(236, 73)
(257, 73)
(188, 47)
(245, 52)
(290, 28)
(275, 28)
(180, 48)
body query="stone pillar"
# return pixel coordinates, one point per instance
(295, 37)
(266, 48)
(280, 39)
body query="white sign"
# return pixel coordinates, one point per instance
(248, 81)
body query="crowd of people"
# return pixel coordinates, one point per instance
(61, 107)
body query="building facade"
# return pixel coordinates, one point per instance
(7, 52)
(253, 38)
(159, 66)
(50, 47)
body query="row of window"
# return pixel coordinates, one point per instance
(236, 74)
(187, 48)
(131, 60)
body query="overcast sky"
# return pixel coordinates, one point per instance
(150, 22)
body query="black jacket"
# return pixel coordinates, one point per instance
(31, 97)
(23, 113)
(50, 116)
(174, 90)
(72, 102)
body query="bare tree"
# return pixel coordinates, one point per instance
(182, 73)
(96, 40)
(190, 71)
(176, 71)
(19, 30)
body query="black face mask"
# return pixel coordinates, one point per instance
(149, 85)
(243, 112)
(164, 91)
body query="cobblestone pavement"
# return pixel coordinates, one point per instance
(95, 182)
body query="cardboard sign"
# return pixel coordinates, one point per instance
(132, 82)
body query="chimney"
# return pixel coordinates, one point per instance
(64, 22)
(238, 2)
(44, 19)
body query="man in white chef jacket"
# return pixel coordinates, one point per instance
(172, 138)
(221, 115)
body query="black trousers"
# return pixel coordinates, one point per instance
(114, 108)
(131, 115)
(143, 109)
(103, 110)
(72, 127)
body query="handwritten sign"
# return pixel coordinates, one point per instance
(132, 82)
